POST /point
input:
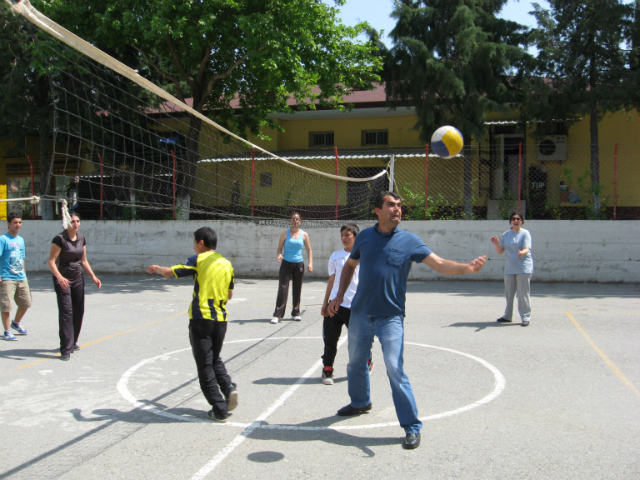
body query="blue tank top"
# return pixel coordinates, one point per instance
(293, 248)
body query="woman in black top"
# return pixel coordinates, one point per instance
(67, 259)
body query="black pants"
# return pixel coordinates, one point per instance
(70, 312)
(288, 271)
(331, 331)
(206, 338)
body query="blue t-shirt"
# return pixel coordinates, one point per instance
(293, 248)
(385, 262)
(12, 257)
(514, 242)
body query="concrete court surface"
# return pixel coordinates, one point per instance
(557, 400)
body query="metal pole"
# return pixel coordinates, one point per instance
(519, 174)
(101, 189)
(33, 186)
(335, 150)
(426, 180)
(615, 182)
(392, 166)
(253, 179)
(173, 155)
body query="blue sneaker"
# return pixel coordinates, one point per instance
(18, 328)
(9, 336)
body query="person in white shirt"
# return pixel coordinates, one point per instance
(332, 325)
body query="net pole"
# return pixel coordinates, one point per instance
(173, 156)
(101, 189)
(253, 179)
(335, 150)
(33, 186)
(426, 180)
(615, 180)
(519, 174)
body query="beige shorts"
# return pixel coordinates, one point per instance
(18, 290)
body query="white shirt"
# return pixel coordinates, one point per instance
(336, 263)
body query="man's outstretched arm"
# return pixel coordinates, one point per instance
(449, 267)
(164, 271)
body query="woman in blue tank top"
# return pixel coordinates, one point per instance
(289, 255)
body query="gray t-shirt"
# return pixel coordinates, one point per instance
(514, 242)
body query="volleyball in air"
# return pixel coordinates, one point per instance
(447, 141)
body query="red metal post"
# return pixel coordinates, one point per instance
(101, 189)
(253, 179)
(519, 174)
(173, 155)
(335, 150)
(33, 186)
(615, 181)
(426, 180)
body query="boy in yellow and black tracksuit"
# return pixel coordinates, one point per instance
(213, 287)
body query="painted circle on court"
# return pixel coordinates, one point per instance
(123, 389)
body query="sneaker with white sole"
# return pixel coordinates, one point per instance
(327, 376)
(275, 320)
(18, 328)
(218, 418)
(297, 318)
(9, 336)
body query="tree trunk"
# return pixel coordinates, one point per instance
(46, 206)
(595, 149)
(468, 178)
(187, 169)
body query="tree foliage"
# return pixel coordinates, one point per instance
(584, 67)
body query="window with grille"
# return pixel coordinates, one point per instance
(375, 137)
(320, 139)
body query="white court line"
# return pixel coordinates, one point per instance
(215, 461)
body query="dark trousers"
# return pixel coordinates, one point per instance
(331, 331)
(206, 338)
(70, 312)
(288, 271)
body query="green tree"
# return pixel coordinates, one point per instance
(258, 52)
(25, 95)
(583, 67)
(452, 60)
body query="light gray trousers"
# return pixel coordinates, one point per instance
(518, 283)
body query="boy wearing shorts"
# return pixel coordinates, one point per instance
(13, 279)
(213, 287)
(332, 325)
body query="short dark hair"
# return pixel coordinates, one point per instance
(351, 227)
(294, 212)
(208, 236)
(516, 214)
(73, 213)
(13, 215)
(379, 201)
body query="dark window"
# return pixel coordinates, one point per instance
(320, 139)
(375, 137)
(265, 179)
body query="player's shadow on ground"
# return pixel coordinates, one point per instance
(317, 431)
(482, 325)
(26, 353)
(292, 380)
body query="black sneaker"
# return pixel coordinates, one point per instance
(76, 347)
(349, 410)
(223, 418)
(327, 375)
(232, 397)
(65, 357)
(525, 323)
(503, 320)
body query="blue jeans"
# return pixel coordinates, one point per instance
(390, 333)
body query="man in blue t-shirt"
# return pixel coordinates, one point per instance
(13, 280)
(385, 254)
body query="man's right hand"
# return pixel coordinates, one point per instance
(334, 305)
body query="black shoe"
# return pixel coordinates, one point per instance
(222, 418)
(525, 323)
(76, 347)
(411, 441)
(65, 357)
(503, 320)
(232, 397)
(349, 410)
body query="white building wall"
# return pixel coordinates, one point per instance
(563, 251)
